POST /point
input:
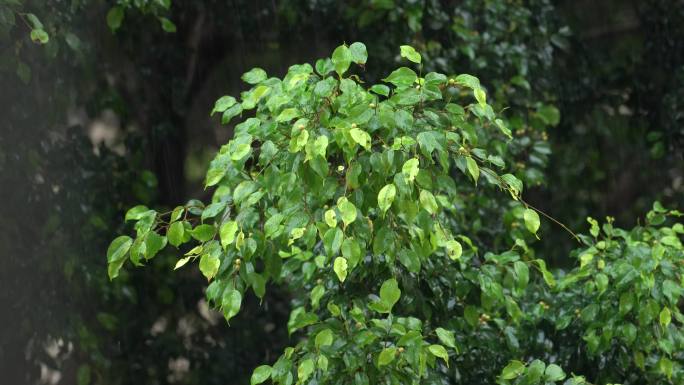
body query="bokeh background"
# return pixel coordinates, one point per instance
(105, 116)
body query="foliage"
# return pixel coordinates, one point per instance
(332, 184)
(512, 44)
(350, 195)
(619, 98)
(623, 300)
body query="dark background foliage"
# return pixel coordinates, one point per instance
(96, 121)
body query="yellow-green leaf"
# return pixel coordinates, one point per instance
(386, 197)
(410, 53)
(512, 370)
(665, 316)
(260, 374)
(440, 352)
(473, 168)
(347, 210)
(330, 218)
(387, 356)
(410, 169)
(227, 233)
(454, 249)
(531, 220)
(209, 265)
(340, 268)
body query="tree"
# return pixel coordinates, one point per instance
(360, 200)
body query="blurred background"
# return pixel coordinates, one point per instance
(112, 110)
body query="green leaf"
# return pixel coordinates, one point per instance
(504, 129)
(531, 220)
(322, 363)
(332, 241)
(387, 356)
(241, 150)
(554, 373)
(340, 268)
(254, 76)
(299, 141)
(231, 300)
(480, 96)
(297, 233)
(209, 265)
(316, 295)
(287, 114)
(182, 262)
(469, 81)
(227, 233)
(361, 137)
(330, 218)
(402, 77)
(386, 197)
(39, 36)
(136, 213)
(522, 273)
(153, 244)
(410, 169)
(341, 59)
(380, 89)
(665, 366)
(258, 283)
(324, 338)
(430, 141)
(665, 317)
(359, 55)
(177, 213)
(115, 16)
(118, 248)
(440, 352)
(324, 66)
(260, 374)
(252, 98)
(446, 337)
(203, 233)
(549, 114)
(410, 259)
(473, 168)
(410, 53)
(428, 202)
(33, 19)
(230, 113)
(351, 251)
(167, 25)
(347, 209)
(512, 370)
(305, 370)
(324, 88)
(513, 183)
(317, 147)
(223, 103)
(454, 249)
(213, 210)
(390, 293)
(548, 277)
(272, 225)
(535, 371)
